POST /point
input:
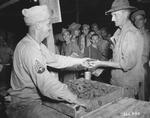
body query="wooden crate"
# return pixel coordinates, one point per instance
(66, 108)
(75, 111)
(124, 108)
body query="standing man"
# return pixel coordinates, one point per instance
(83, 37)
(92, 50)
(139, 20)
(30, 78)
(128, 71)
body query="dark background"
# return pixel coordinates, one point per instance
(81, 11)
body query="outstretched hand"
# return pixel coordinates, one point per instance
(86, 62)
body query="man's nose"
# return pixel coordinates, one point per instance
(112, 19)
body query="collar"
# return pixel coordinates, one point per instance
(143, 31)
(33, 41)
(126, 26)
(94, 46)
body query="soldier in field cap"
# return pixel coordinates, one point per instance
(30, 78)
(127, 71)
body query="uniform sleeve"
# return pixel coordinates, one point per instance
(66, 61)
(59, 61)
(47, 82)
(129, 52)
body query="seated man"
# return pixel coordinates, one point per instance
(30, 78)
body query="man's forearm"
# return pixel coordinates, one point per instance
(106, 64)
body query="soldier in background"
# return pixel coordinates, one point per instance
(139, 19)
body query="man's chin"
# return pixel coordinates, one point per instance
(116, 24)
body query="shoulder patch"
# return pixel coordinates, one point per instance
(39, 67)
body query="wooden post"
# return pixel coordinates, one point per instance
(50, 41)
(54, 10)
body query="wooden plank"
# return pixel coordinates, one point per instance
(118, 108)
(109, 110)
(61, 107)
(139, 109)
(125, 108)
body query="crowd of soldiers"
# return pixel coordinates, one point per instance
(77, 38)
(84, 41)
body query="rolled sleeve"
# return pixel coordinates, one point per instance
(129, 52)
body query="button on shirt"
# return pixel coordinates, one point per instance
(30, 72)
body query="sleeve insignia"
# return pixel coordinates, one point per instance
(39, 67)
